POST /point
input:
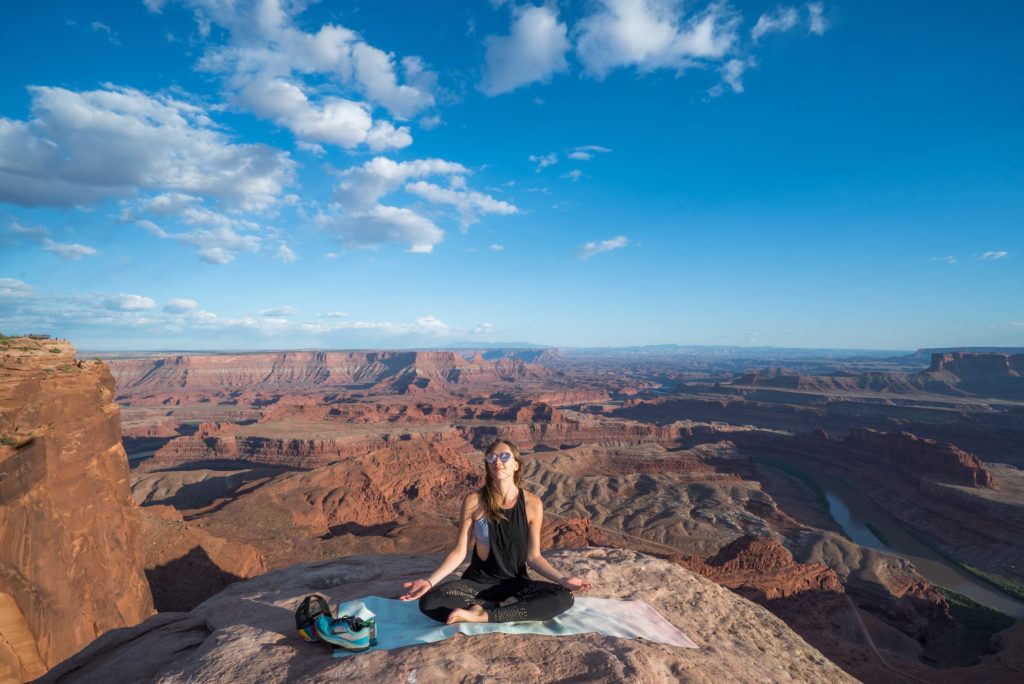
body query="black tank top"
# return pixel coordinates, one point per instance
(508, 542)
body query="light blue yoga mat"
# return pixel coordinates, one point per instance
(400, 623)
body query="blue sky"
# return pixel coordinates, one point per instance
(201, 175)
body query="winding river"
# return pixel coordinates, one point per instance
(855, 512)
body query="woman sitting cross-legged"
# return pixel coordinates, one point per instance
(503, 522)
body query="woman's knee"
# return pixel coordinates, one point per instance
(432, 600)
(563, 599)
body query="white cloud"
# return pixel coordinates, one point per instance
(66, 250)
(587, 152)
(496, 247)
(533, 51)
(469, 204)
(431, 122)
(219, 238)
(279, 312)
(333, 120)
(375, 70)
(360, 220)
(277, 71)
(79, 147)
(331, 255)
(483, 329)
(40, 236)
(653, 34)
(817, 24)
(945, 259)
(312, 148)
(995, 255)
(543, 160)
(180, 305)
(285, 254)
(590, 249)
(365, 185)
(732, 75)
(573, 175)
(14, 289)
(779, 20)
(129, 302)
(425, 325)
(132, 316)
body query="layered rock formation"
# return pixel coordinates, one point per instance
(918, 458)
(246, 633)
(71, 562)
(762, 569)
(986, 374)
(379, 372)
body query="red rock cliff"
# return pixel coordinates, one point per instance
(917, 457)
(71, 563)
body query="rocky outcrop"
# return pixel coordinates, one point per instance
(572, 533)
(968, 365)
(980, 373)
(917, 458)
(246, 633)
(71, 564)
(762, 569)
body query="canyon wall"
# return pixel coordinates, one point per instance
(71, 565)
(384, 371)
(916, 457)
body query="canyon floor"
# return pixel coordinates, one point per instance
(249, 463)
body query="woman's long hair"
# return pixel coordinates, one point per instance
(490, 493)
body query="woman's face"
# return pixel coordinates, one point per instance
(503, 469)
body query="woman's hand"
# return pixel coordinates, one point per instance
(575, 584)
(416, 588)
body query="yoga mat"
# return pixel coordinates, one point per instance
(400, 623)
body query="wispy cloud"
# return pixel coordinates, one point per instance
(106, 31)
(129, 302)
(989, 256)
(285, 254)
(779, 20)
(945, 259)
(587, 152)
(542, 161)
(817, 23)
(590, 249)
(19, 234)
(180, 305)
(279, 311)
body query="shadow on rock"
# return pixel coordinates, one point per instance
(185, 582)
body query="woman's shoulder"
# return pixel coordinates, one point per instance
(471, 502)
(532, 500)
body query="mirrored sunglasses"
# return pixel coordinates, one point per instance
(493, 458)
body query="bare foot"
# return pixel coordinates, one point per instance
(471, 614)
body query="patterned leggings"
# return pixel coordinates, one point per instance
(534, 600)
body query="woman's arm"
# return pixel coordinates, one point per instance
(535, 519)
(454, 558)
